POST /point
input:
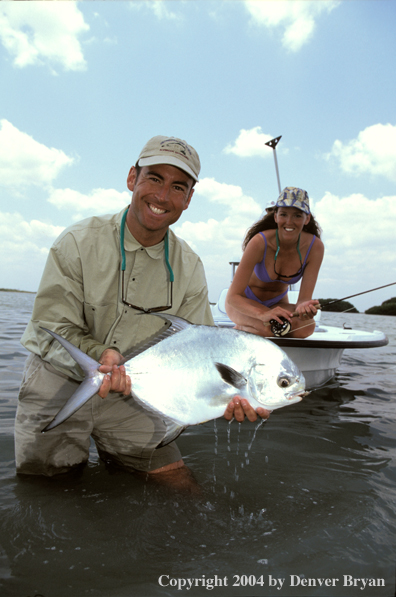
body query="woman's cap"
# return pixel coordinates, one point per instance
(172, 151)
(294, 197)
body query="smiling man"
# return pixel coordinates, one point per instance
(101, 274)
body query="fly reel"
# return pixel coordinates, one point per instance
(280, 329)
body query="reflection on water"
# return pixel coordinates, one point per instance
(309, 493)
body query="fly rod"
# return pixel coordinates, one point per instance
(358, 294)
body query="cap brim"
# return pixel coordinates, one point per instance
(296, 206)
(172, 161)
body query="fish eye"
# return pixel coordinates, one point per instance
(283, 382)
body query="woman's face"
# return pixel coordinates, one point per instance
(291, 220)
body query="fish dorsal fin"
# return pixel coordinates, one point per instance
(178, 324)
(172, 325)
(230, 376)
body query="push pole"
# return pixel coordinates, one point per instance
(273, 143)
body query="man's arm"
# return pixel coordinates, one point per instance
(59, 306)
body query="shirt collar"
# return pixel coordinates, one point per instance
(131, 244)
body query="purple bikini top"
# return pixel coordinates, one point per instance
(261, 271)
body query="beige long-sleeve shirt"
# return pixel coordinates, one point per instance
(79, 296)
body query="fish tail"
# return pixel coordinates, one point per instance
(85, 391)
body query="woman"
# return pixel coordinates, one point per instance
(280, 249)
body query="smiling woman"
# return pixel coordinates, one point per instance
(286, 240)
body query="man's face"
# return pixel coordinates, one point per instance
(160, 195)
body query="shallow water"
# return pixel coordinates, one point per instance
(308, 495)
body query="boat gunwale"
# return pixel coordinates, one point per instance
(313, 343)
(322, 342)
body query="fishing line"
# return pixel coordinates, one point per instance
(284, 328)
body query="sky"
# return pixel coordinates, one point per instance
(85, 84)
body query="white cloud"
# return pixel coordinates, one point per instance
(18, 232)
(24, 161)
(24, 249)
(43, 32)
(219, 241)
(230, 195)
(373, 152)
(250, 143)
(297, 18)
(360, 221)
(358, 234)
(98, 201)
(160, 8)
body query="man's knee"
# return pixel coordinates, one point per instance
(168, 467)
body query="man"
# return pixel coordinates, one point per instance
(100, 274)
(270, 207)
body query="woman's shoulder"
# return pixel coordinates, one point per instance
(313, 242)
(308, 237)
(256, 246)
(261, 237)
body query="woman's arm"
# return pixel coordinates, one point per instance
(305, 305)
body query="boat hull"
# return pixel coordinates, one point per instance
(318, 365)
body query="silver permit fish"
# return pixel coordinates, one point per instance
(189, 373)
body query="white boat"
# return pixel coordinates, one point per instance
(319, 355)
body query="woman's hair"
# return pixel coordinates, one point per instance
(268, 223)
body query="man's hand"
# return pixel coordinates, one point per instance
(118, 381)
(238, 408)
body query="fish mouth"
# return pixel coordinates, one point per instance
(298, 396)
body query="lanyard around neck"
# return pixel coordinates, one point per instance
(278, 246)
(123, 258)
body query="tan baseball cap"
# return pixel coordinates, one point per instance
(172, 151)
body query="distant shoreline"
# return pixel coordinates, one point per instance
(14, 290)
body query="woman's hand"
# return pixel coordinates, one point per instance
(275, 313)
(307, 309)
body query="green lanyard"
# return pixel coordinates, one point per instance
(278, 246)
(123, 259)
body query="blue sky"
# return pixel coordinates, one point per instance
(85, 84)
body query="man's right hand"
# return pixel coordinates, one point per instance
(118, 381)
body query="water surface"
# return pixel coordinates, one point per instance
(308, 495)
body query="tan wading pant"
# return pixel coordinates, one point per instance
(121, 429)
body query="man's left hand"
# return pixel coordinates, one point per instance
(238, 408)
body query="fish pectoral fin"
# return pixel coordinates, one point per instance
(230, 376)
(173, 430)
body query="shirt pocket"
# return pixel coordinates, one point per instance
(100, 319)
